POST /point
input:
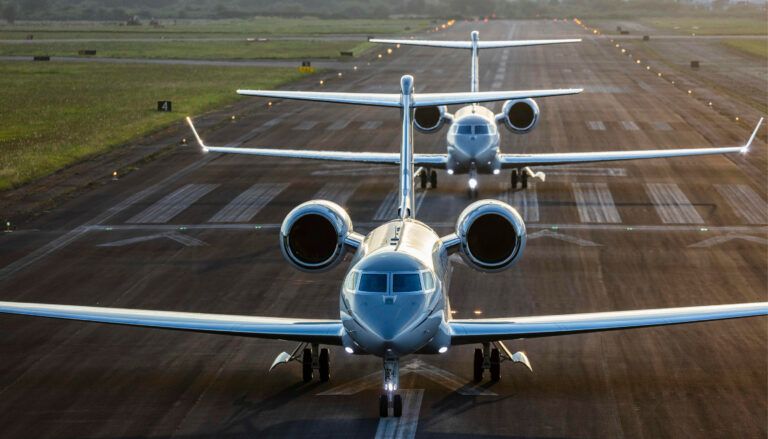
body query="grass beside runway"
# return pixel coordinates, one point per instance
(710, 26)
(275, 49)
(254, 27)
(757, 48)
(55, 114)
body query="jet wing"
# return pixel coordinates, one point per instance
(468, 44)
(304, 330)
(522, 160)
(385, 158)
(487, 330)
(418, 100)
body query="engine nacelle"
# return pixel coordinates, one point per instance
(520, 115)
(430, 119)
(312, 235)
(492, 235)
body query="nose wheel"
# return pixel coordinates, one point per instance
(391, 383)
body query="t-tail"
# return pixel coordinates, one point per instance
(474, 44)
(406, 195)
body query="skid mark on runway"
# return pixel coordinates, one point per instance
(596, 125)
(595, 203)
(306, 125)
(404, 426)
(671, 204)
(339, 193)
(526, 201)
(747, 204)
(173, 204)
(249, 203)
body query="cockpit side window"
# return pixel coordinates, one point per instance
(373, 283)
(351, 281)
(406, 282)
(465, 129)
(481, 129)
(429, 281)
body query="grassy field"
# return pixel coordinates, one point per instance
(753, 47)
(711, 26)
(259, 26)
(55, 114)
(274, 49)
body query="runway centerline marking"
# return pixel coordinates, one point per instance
(249, 203)
(405, 426)
(596, 125)
(595, 203)
(563, 237)
(338, 125)
(526, 202)
(371, 125)
(671, 204)
(629, 125)
(173, 204)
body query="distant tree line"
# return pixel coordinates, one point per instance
(118, 10)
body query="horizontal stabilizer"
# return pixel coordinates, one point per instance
(468, 44)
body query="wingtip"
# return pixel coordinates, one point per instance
(745, 148)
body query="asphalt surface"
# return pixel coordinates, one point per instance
(621, 236)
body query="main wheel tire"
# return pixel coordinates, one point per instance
(423, 178)
(524, 181)
(495, 365)
(478, 365)
(383, 406)
(325, 365)
(513, 178)
(397, 406)
(433, 179)
(306, 365)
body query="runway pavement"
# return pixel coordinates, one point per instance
(198, 232)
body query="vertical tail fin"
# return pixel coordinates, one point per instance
(474, 73)
(406, 196)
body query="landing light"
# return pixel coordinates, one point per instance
(443, 349)
(450, 171)
(472, 183)
(349, 350)
(496, 172)
(389, 51)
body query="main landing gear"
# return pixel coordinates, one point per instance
(312, 359)
(391, 383)
(428, 176)
(490, 359)
(522, 175)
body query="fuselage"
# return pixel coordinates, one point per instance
(394, 297)
(473, 141)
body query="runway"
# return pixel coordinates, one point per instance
(198, 232)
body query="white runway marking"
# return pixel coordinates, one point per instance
(184, 240)
(338, 125)
(339, 193)
(672, 205)
(729, 237)
(173, 204)
(371, 125)
(596, 125)
(249, 203)
(404, 426)
(629, 125)
(563, 237)
(662, 126)
(526, 201)
(747, 204)
(305, 125)
(595, 203)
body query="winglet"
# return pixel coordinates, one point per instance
(745, 148)
(197, 136)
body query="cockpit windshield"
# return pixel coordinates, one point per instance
(406, 282)
(465, 129)
(373, 283)
(481, 129)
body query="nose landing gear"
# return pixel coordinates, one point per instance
(391, 384)
(490, 359)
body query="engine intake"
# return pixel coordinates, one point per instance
(430, 119)
(521, 115)
(492, 235)
(312, 235)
